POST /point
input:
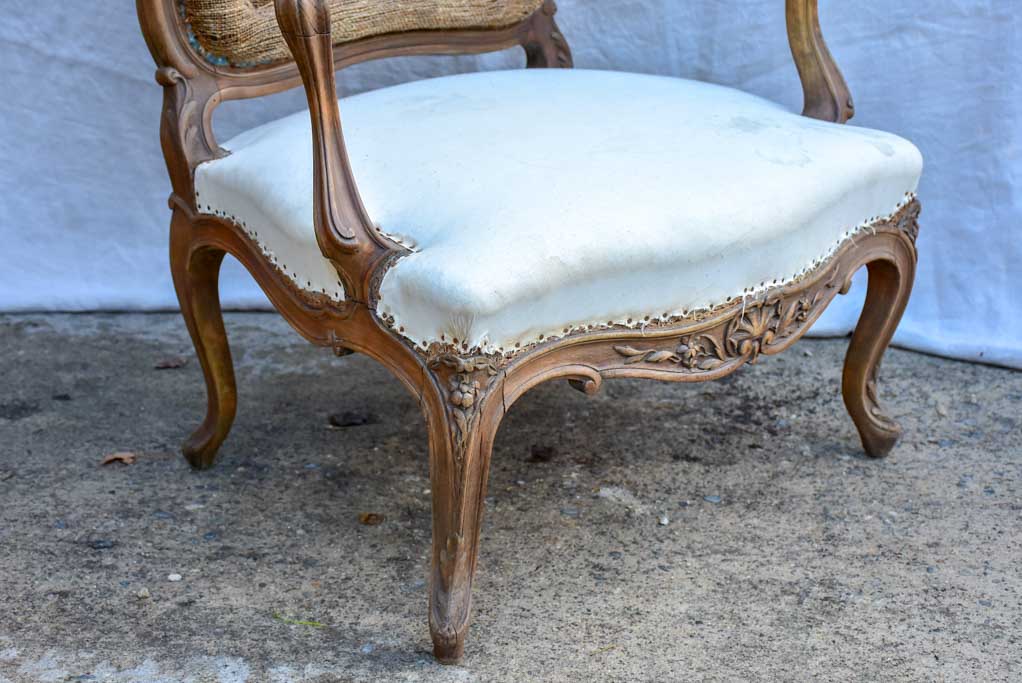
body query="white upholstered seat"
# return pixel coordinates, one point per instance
(545, 200)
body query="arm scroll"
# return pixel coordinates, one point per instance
(344, 231)
(827, 96)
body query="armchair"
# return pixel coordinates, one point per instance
(481, 234)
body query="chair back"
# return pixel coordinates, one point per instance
(210, 51)
(244, 33)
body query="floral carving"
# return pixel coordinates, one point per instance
(466, 383)
(756, 327)
(751, 331)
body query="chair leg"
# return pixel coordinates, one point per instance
(460, 445)
(890, 285)
(196, 275)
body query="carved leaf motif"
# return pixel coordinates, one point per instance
(788, 317)
(743, 337)
(718, 348)
(462, 422)
(710, 363)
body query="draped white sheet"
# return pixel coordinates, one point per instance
(83, 189)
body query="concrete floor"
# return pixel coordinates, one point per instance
(786, 554)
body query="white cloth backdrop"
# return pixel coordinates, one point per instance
(83, 215)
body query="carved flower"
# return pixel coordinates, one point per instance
(753, 331)
(689, 352)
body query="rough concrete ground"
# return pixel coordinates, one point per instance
(787, 555)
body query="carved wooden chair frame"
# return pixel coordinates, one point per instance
(464, 396)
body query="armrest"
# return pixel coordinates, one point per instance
(344, 232)
(826, 94)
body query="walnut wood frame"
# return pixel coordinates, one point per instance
(464, 397)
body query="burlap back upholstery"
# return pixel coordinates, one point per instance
(245, 32)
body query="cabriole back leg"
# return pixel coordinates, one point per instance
(890, 284)
(196, 274)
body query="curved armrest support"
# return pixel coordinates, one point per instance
(827, 96)
(344, 231)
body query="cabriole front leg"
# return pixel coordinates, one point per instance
(461, 431)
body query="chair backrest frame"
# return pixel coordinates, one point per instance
(245, 33)
(194, 87)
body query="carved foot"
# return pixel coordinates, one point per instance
(890, 283)
(448, 650)
(449, 612)
(200, 449)
(196, 276)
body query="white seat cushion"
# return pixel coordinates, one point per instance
(540, 201)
